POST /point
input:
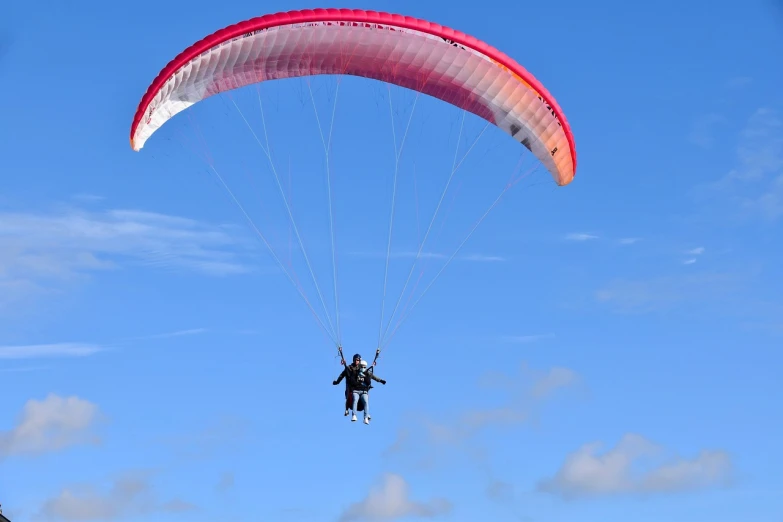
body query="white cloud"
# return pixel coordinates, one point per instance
(52, 424)
(696, 251)
(629, 240)
(38, 351)
(689, 261)
(130, 495)
(390, 500)
(39, 249)
(580, 237)
(636, 465)
(668, 291)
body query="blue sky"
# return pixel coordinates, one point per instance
(605, 351)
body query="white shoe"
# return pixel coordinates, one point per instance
(353, 419)
(367, 420)
(345, 414)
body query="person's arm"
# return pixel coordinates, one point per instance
(340, 378)
(376, 378)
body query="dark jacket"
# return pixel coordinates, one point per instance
(354, 380)
(351, 375)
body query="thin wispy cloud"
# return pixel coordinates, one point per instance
(755, 186)
(660, 293)
(629, 240)
(621, 470)
(514, 401)
(480, 258)
(49, 425)
(76, 350)
(226, 482)
(217, 435)
(693, 252)
(550, 382)
(130, 495)
(516, 397)
(523, 393)
(40, 250)
(500, 491)
(169, 335)
(399, 442)
(738, 82)
(391, 500)
(580, 237)
(41, 351)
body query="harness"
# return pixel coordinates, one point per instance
(348, 390)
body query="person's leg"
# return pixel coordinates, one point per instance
(356, 395)
(366, 397)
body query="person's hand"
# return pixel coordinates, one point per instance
(335, 383)
(383, 382)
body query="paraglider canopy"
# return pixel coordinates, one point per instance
(417, 55)
(409, 52)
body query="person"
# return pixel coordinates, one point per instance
(361, 393)
(358, 381)
(350, 373)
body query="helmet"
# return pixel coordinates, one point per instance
(364, 364)
(357, 357)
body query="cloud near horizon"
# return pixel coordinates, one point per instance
(636, 465)
(128, 495)
(390, 500)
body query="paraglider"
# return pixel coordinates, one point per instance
(358, 382)
(408, 52)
